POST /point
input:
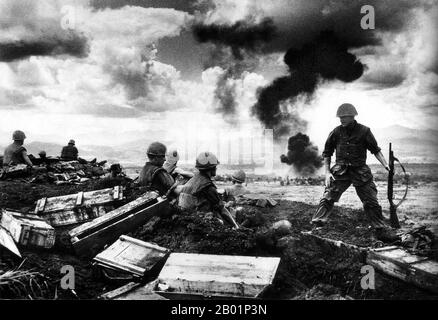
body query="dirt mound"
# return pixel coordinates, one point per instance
(309, 269)
(23, 196)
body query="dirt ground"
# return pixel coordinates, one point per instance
(308, 270)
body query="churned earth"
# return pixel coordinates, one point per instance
(309, 269)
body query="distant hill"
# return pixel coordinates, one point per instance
(410, 145)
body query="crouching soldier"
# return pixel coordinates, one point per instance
(153, 175)
(351, 141)
(69, 152)
(200, 193)
(237, 189)
(15, 153)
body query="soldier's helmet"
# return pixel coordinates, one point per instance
(18, 135)
(172, 156)
(239, 176)
(156, 149)
(72, 142)
(42, 153)
(206, 160)
(346, 109)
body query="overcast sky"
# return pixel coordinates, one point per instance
(107, 72)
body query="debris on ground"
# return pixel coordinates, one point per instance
(188, 275)
(28, 230)
(60, 172)
(396, 262)
(420, 241)
(258, 200)
(22, 284)
(87, 239)
(307, 262)
(131, 258)
(77, 208)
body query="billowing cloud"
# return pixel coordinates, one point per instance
(115, 73)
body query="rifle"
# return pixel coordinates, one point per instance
(393, 218)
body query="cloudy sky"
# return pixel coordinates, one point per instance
(110, 72)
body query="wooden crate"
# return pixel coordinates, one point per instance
(187, 275)
(76, 208)
(132, 256)
(28, 230)
(396, 262)
(88, 239)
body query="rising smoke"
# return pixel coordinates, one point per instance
(241, 36)
(234, 49)
(326, 58)
(302, 155)
(72, 45)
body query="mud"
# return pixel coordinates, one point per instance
(308, 268)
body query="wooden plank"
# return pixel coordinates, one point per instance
(217, 275)
(133, 291)
(68, 202)
(116, 192)
(141, 202)
(41, 204)
(119, 291)
(7, 241)
(385, 248)
(91, 237)
(406, 267)
(80, 198)
(70, 217)
(13, 226)
(131, 255)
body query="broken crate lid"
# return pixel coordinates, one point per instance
(187, 275)
(7, 241)
(133, 291)
(132, 256)
(76, 208)
(28, 230)
(396, 262)
(89, 238)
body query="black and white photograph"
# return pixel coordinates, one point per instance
(199, 151)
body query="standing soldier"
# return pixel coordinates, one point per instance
(153, 175)
(200, 193)
(69, 152)
(351, 141)
(15, 153)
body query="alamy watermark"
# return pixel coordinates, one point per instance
(68, 280)
(368, 21)
(368, 281)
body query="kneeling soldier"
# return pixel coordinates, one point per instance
(200, 193)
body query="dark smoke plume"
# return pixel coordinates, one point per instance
(302, 155)
(73, 45)
(241, 36)
(324, 59)
(233, 49)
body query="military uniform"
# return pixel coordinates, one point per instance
(14, 155)
(351, 144)
(200, 194)
(69, 153)
(234, 191)
(155, 178)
